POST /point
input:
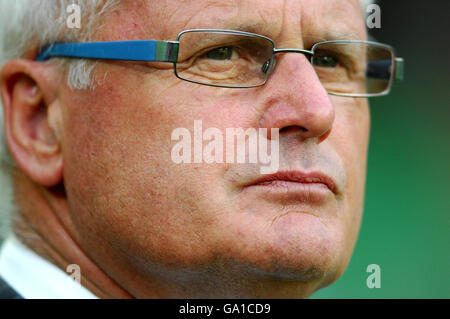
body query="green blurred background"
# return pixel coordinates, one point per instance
(406, 223)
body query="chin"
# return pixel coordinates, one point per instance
(296, 247)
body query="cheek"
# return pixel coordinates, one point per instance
(130, 192)
(350, 137)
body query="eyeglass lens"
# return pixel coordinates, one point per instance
(237, 60)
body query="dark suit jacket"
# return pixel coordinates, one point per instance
(6, 292)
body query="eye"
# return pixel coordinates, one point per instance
(222, 53)
(325, 61)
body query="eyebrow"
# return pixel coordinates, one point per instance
(331, 35)
(256, 27)
(262, 28)
(342, 35)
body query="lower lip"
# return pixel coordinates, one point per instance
(304, 192)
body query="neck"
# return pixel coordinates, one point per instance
(42, 222)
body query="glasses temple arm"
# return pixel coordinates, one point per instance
(145, 50)
(399, 69)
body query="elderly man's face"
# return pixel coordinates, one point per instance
(140, 215)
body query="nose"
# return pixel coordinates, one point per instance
(295, 100)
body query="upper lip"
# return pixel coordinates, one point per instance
(298, 177)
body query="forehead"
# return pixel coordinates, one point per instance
(320, 19)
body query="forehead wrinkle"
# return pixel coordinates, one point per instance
(240, 15)
(128, 22)
(146, 19)
(164, 19)
(169, 17)
(197, 20)
(329, 35)
(271, 20)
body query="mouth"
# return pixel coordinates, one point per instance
(297, 181)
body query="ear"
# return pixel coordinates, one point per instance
(32, 119)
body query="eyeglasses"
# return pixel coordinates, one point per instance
(237, 59)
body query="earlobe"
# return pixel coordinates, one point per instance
(30, 125)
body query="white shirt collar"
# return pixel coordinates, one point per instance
(33, 277)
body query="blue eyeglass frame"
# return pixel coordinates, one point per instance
(140, 50)
(167, 51)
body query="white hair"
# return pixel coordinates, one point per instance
(42, 22)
